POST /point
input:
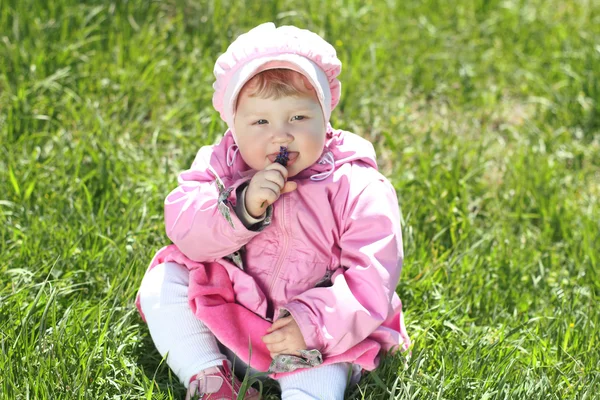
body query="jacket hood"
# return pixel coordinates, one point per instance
(341, 147)
(348, 146)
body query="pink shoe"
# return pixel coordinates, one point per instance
(217, 383)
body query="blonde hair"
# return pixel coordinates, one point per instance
(278, 83)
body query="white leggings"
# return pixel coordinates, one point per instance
(191, 347)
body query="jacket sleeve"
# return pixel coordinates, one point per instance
(334, 319)
(195, 212)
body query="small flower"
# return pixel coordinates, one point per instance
(283, 156)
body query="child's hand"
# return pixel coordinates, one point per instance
(266, 187)
(284, 337)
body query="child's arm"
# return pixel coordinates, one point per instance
(194, 217)
(333, 319)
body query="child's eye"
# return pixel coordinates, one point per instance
(298, 117)
(261, 122)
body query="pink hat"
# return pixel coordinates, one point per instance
(267, 47)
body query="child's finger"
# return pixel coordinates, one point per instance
(275, 337)
(278, 167)
(289, 187)
(276, 177)
(271, 186)
(277, 348)
(280, 323)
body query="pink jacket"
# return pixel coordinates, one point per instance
(342, 222)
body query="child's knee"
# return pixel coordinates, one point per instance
(164, 284)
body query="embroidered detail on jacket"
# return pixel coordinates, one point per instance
(223, 203)
(289, 363)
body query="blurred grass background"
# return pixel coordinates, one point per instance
(485, 116)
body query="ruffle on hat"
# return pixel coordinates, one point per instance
(266, 40)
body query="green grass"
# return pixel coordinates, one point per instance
(485, 116)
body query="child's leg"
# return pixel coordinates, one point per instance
(191, 347)
(322, 383)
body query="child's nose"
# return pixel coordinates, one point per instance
(282, 136)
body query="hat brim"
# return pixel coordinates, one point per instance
(294, 62)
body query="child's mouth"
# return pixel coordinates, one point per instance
(279, 157)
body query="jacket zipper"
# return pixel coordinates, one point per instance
(284, 251)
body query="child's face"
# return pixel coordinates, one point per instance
(263, 125)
